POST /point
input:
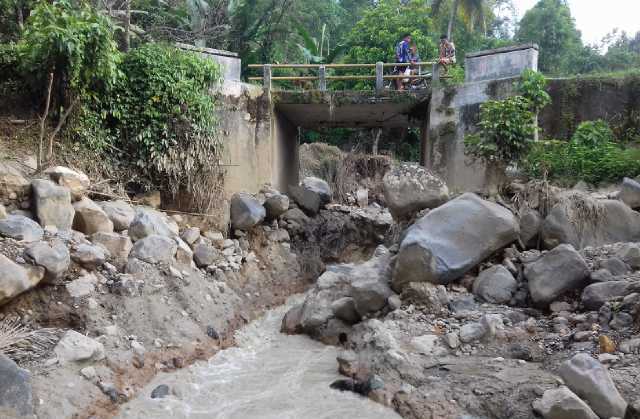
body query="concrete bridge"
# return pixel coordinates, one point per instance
(262, 125)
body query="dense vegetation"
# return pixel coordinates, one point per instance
(92, 60)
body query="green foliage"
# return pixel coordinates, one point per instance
(162, 101)
(8, 62)
(72, 40)
(507, 127)
(591, 155)
(532, 87)
(506, 131)
(550, 25)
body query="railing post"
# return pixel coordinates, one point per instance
(322, 78)
(379, 77)
(435, 73)
(267, 77)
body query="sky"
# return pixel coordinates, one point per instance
(596, 18)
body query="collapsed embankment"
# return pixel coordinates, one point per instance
(114, 293)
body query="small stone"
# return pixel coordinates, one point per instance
(89, 373)
(607, 345)
(452, 340)
(212, 333)
(160, 392)
(471, 332)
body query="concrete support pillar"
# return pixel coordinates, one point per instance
(322, 78)
(379, 77)
(435, 73)
(424, 139)
(267, 77)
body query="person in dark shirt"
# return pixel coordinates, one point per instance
(403, 55)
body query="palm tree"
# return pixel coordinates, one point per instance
(473, 10)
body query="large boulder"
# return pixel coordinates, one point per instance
(117, 245)
(629, 253)
(154, 249)
(120, 213)
(530, 224)
(409, 188)
(276, 204)
(595, 295)
(149, 222)
(16, 279)
(13, 184)
(630, 193)
(246, 211)
(562, 403)
(90, 218)
(312, 194)
(452, 239)
(76, 347)
(205, 255)
(89, 256)
(495, 285)
(558, 271)
(591, 381)
(54, 258)
(21, 228)
(342, 295)
(76, 181)
(582, 221)
(16, 394)
(52, 204)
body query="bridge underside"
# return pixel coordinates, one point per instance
(347, 109)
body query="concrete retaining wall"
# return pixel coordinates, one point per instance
(500, 63)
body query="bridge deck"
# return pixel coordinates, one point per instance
(352, 109)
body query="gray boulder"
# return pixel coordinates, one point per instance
(246, 211)
(120, 213)
(582, 221)
(21, 228)
(205, 255)
(311, 195)
(89, 256)
(190, 235)
(16, 279)
(75, 181)
(344, 293)
(530, 224)
(117, 245)
(630, 254)
(595, 295)
(495, 285)
(52, 204)
(16, 394)
(562, 403)
(450, 240)
(409, 188)
(90, 218)
(630, 193)
(591, 381)
(555, 273)
(154, 249)
(149, 222)
(54, 258)
(13, 184)
(276, 204)
(76, 347)
(615, 265)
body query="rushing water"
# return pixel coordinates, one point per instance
(268, 375)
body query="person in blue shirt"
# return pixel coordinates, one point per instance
(403, 55)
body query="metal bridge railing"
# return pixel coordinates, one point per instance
(322, 78)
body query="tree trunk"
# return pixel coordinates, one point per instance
(20, 17)
(127, 26)
(452, 18)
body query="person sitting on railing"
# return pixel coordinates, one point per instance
(403, 55)
(447, 53)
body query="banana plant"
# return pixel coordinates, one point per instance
(314, 52)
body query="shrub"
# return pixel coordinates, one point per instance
(591, 155)
(508, 127)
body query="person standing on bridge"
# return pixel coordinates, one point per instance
(447, 53)
(403, 55)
